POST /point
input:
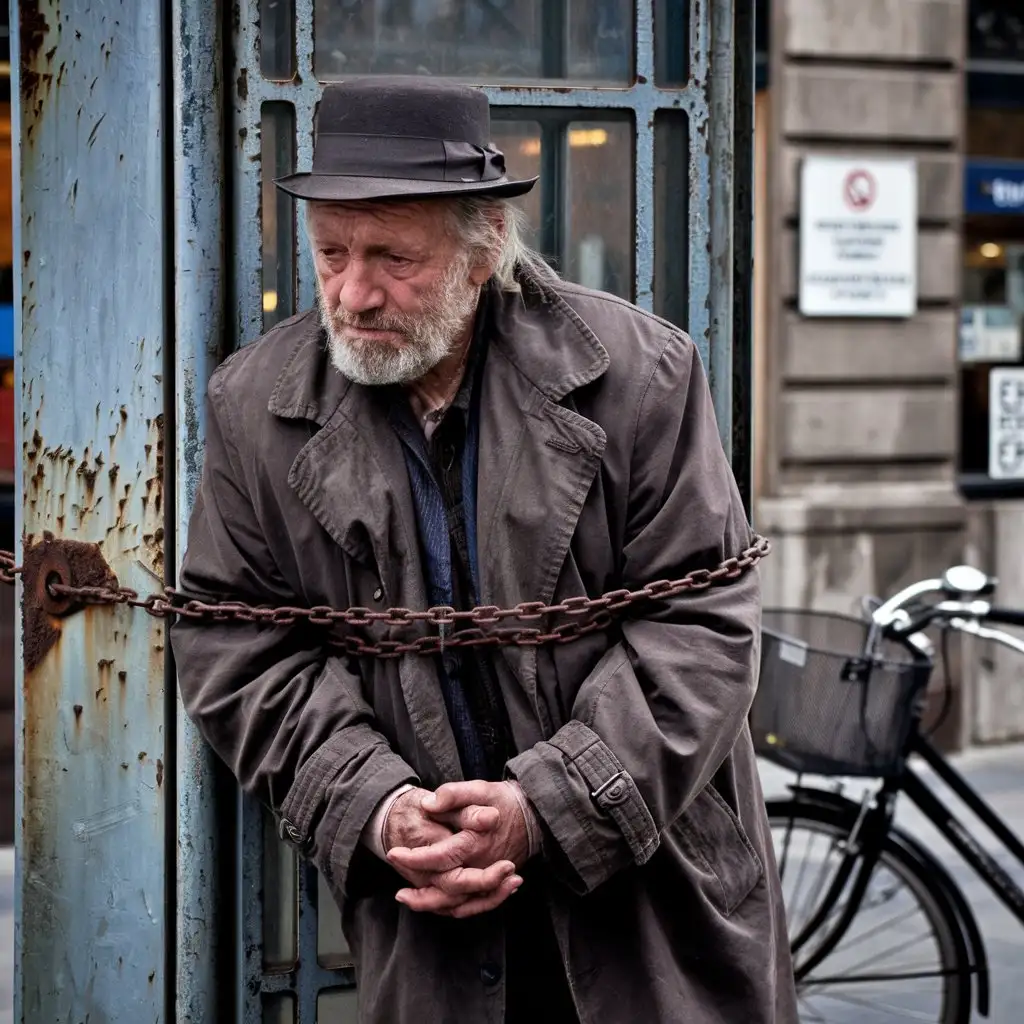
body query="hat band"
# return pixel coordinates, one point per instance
(402, 156)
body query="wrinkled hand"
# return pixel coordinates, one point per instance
(486, 833)
(460, 890)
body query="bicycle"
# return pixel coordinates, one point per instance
(881, 931)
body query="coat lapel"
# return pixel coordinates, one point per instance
(538, 458)
(352, 476)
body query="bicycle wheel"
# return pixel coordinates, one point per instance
(903, 956)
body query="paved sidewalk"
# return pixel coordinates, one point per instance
(997, 772)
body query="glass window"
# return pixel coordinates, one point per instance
(482, 40)
(279, 1008)
(996, 30)
(671, 42)
(582, 208)
(991, 330)
(332, 949)
(280, 899)
(991, 327)
(277, 154)
(337, 1006)
(671, 216)
(277, 39)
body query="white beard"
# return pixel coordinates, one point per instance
(430, 335)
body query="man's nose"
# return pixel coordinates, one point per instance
(360, 291)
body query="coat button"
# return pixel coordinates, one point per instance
(615, 793)
(378, 594)
(490, 973)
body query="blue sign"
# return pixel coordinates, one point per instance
(6, 332)
(994, 187)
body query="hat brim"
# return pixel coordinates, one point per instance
(339, 188)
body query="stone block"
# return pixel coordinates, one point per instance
(870, 423)
(891, 30)
(921, 348)
(870, 103)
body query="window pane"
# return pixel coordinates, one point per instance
(332, 950)
(277, 150)
(599, 204)
(337, 1006)
(520, 141)
(671, 217)
(279, 1008)
(671, 42)
(277, 39)
(483, 40)
(280, 900)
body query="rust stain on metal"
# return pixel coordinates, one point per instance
(33, 29)
(87, 567)
(159, 771)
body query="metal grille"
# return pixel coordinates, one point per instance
(679, 102)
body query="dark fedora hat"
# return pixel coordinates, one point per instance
(402, 137)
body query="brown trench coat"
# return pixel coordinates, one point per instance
(600, 467)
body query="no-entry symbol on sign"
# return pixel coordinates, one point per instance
(860, 190)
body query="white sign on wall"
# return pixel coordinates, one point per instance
(858, 237)
(1006, 424)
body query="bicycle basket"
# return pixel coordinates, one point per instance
(822, 707)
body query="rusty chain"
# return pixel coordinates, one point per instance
(588, 614)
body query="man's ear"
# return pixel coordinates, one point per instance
(487, 262)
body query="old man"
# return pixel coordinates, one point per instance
(561, 833)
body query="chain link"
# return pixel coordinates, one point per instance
(587, 614)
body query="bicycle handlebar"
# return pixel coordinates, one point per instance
(1005, 616)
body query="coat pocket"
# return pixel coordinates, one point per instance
(714, 839)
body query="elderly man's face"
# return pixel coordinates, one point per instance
(396, 291)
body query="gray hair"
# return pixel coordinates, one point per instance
(495, 229)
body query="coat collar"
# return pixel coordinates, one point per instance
(537, 460)
(538, 331)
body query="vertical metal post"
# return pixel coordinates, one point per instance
(744, 74)
(720, 142)
(91, 275)
(203, 933)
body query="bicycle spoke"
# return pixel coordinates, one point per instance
(891, 951)
(875, 979)
(810, 904)
(784, 859)
(824, 876)
(871, 932)
(928, 1018)
(811, 1016)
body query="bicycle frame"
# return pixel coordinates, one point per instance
(983, 863)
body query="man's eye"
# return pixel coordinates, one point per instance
(394, 260)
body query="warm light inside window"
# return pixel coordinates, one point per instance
(991, 251)
(588, 137)
(269, 302)
(578, 139)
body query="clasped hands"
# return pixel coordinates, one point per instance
(459, 847)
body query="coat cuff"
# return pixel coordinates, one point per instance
(335, 793)
(579, 787)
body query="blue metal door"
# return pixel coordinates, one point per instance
(150, 243)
